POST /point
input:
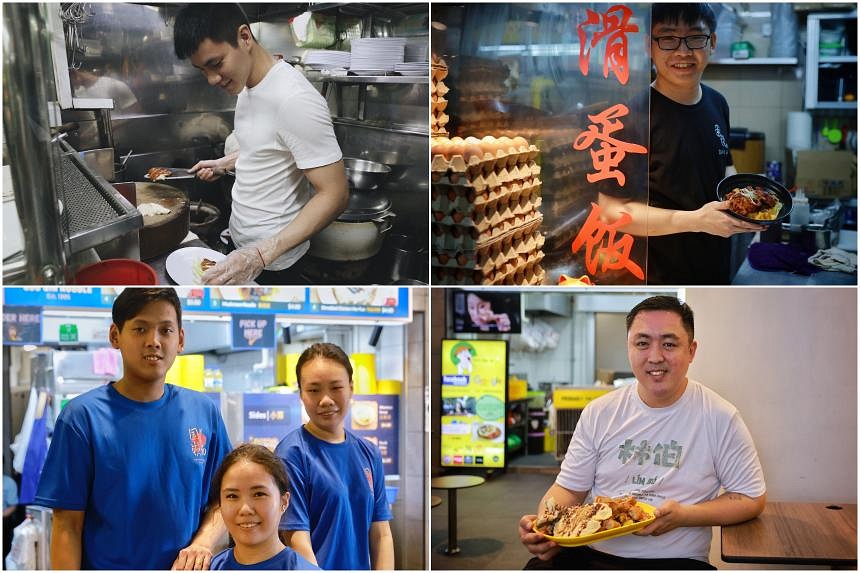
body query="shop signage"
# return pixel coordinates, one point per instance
(268, 417)
(253, 331)
(68, 333)
(22, 325)
(378, 303)
(474, 390)
(376, 418)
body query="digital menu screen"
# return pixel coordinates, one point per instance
(474, 387)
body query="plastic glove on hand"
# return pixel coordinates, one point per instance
(240, 267)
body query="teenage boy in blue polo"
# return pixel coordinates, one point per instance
(130, 464)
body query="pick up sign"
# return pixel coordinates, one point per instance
(253, 331)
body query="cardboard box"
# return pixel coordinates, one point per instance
(827, 174)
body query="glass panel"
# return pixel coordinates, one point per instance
(573, 80)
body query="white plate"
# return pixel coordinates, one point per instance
(180, 263)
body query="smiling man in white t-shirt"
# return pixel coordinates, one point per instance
(666, 440)
(286, 139)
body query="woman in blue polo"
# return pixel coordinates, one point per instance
(338, 513)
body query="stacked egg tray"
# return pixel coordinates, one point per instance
(486, 217)
(438, 118)
(521, 272)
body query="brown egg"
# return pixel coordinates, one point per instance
(455, 147)
(490, 145)
(520, 142)
(505, 143)
(472, 150)
(440, 146)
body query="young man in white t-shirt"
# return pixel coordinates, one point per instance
(667, 440)
(286, 139)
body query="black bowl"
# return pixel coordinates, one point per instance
(745, 179)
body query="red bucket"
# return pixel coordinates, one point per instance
(117, 272)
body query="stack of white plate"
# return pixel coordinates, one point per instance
(326, 59)
(413, 68)
(372, 56)
(417, 52)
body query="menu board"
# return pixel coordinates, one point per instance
(344, 300)
(474, 387)
(373, 302)
(376, 419)
(257, 298)
(269, 417)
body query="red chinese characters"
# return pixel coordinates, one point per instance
(613, 25)
(611, 151)
(602, 247)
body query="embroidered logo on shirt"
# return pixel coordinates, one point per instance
(198, 441)
(720, 136)
(369, 477)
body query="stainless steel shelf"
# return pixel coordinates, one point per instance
(835, 105)
(390, 128)
(376, 79)
(837, 59)
(757, 62)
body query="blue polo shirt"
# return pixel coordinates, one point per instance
(139, 470)
(338, 490)
(286, 560)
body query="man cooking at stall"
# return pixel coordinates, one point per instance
(666, 440)
(688, 230)
(286, 139)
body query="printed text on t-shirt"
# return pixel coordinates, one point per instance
(666, 455)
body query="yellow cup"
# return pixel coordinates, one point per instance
(364, 373)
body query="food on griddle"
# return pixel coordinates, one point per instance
(604, 514)
(158, 173)
(754, 202)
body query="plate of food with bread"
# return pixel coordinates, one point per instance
(603, 519)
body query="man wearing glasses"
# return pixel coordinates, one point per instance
(688, 230)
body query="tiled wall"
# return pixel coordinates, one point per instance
(759, 99)
(554, 365)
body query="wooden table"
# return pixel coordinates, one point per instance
(435, 500)
(796, 533)
(452, 484)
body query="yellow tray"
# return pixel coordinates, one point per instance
(603, 535)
